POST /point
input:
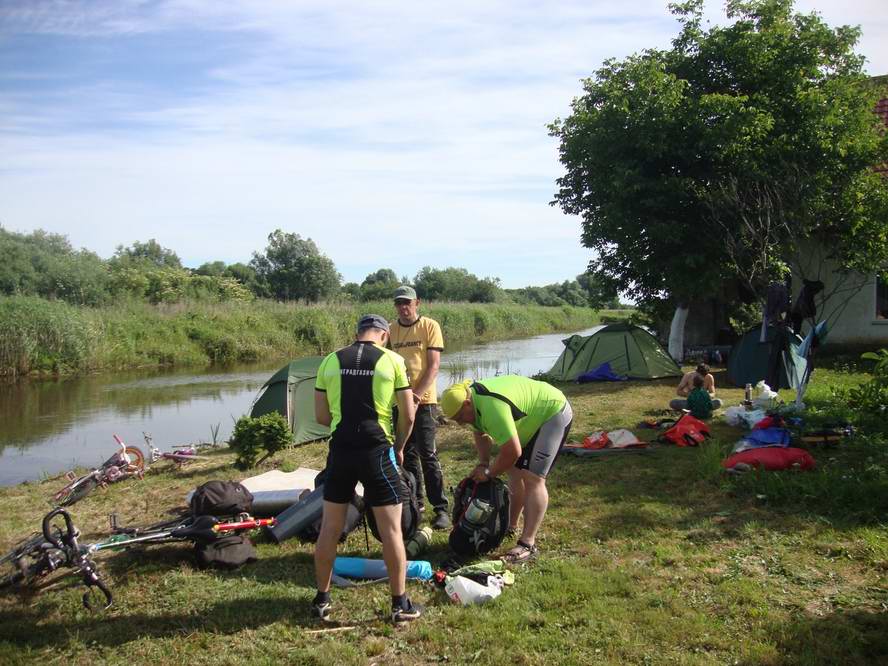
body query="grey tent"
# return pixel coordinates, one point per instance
(290, 391)
(630, 350)
(776, 360)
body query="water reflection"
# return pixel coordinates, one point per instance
(47, 427)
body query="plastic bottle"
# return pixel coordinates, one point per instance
(419, 542)
(747, 395)
(478, 511)
(466, 591)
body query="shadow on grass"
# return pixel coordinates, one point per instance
(846, 637)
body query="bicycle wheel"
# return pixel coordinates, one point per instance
(77, 491)
(16, 564)
(137, 459)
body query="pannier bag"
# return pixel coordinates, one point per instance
(221, 498)
(480, 517)
(227, 552)
(410, 508)
(687, 431)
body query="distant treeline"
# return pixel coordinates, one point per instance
(51, 336)
(290, 269)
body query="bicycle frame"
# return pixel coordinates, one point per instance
(186, 454)
(58, 547)
(126, 462)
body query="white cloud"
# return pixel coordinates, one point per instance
(394, 134)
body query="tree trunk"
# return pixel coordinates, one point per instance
(676, 332)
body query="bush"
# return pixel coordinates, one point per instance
(253, 436)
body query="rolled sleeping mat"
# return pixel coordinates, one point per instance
(273, 502)
(299, 516)
(361, 567)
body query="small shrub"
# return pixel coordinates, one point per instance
(253, 436)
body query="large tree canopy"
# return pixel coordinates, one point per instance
(292, 268)
(759, 135)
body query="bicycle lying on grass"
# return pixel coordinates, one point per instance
(182, 454)
(126, 462)
(31, 562)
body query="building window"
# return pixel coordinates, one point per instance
(881, 298)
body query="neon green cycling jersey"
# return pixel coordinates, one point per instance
(530, 404)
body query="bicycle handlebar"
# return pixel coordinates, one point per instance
(70, 534)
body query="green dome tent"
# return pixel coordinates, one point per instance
(630, 350)
(750, 359)
(290, 391)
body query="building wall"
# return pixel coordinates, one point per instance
(848, 302)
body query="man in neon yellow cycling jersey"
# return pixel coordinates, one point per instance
(529, 420)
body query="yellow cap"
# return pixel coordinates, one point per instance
(454, 397)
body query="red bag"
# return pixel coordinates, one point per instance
(687, 431)
(772, 459)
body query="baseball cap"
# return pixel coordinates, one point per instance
(373, 320)
(405, 292)
(453, 398)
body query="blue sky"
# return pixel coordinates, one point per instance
(394, 134)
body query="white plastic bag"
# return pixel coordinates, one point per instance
(466, 591)
(733, 415)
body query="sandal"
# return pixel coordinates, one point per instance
(522, 552)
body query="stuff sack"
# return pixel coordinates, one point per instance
(227, 552)
(410, 508)
(687, 431)
(221, 498)
(480, 517)
(771, 459)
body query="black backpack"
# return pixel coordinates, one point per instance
(227, 552)
(221, 498)
(480, 517)
(410, 508)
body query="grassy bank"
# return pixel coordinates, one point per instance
(39, 336)
(647, 558)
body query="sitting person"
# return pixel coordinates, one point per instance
(686, 385)
(699, 401)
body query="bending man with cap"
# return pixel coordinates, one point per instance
(529, 421)
(419, 340)
(354, 393)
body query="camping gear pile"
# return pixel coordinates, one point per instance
(767, 447)
(687, 431)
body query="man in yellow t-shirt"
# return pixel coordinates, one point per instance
(419, 340)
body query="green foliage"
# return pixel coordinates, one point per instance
(262, 436)
(44, 264)
(455, 284)
(149, 253)
(870, 398)
(293, 268)
(379, 286)
(42, 336)
(717, 159)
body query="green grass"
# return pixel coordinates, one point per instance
(42, 337)
(652, 558)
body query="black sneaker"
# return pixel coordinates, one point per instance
(412, 612)
(441, 521)
(321, 610)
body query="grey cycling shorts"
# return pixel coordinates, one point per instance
(539, 454)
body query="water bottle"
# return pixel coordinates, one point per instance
(466, 591)
(747, 396)
(478, 511)
(419, 542)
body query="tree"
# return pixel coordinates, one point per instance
(379, 285)
(760, 134)
(150, 252)
(293, 268)
(455, 284)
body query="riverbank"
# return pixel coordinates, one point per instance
(39, 337)
(651, 557)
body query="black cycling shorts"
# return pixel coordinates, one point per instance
(376, 469)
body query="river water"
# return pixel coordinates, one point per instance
(48, 427)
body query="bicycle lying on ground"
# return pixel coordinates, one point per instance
(126, 462)
(31, 562)
(181, 455)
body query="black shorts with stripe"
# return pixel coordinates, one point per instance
(376, 469)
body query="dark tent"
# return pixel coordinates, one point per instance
(290, 391)
(777, 359)
(630, 350)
